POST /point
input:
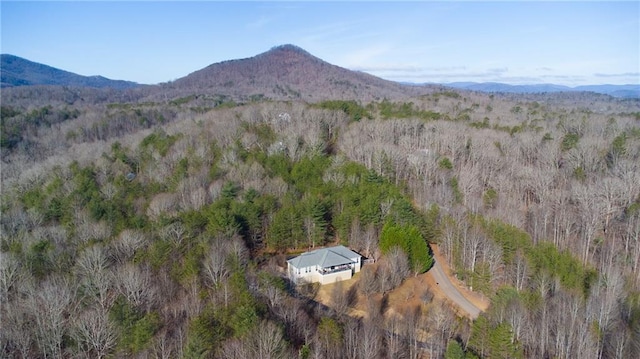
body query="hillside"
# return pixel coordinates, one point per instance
(283, 73)
(288, 72)
(16, 71)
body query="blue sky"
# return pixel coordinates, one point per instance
(570, 43)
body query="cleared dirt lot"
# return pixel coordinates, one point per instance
(438, 281)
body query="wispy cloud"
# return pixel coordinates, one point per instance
(449, 77)
(260, 23)
(434, 74)
(569, 80)
(331, 31)
(367, 54)
(499, 70)
(515, 76)
(624, 74)
(400, 69)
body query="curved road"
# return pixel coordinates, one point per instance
(452, 292)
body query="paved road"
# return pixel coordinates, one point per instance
(452, 293)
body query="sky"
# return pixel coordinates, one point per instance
(569, 43)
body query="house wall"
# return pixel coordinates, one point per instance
(358, 264)
(306, 274)
(334, 277)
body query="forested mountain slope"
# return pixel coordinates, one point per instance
(160, 228)
(285, 72)
(288, 72)
(16, 71)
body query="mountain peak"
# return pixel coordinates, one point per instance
(288, 53)
(289, 72)
(289, 48)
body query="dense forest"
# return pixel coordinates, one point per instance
(143, 227)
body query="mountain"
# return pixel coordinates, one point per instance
(288, 72)
(16, 71)
(285, 72)
(621, 91)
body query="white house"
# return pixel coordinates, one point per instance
(326, 265)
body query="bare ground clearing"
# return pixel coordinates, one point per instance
(410, 293)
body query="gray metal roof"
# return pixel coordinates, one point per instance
(324, 257)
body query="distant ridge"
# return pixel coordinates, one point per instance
(288, 72)
(285, 72)
(17, 71)
(621, 91)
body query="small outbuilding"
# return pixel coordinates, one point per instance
(325, 265)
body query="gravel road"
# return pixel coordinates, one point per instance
(452, 293)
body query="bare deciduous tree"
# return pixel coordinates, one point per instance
(235, 349)
(134, 283)
(266, 341)
(94, 333)
(9, 273)
(17, 335)
(341, 297)
(216, 266)
(127, 244)
(591, 211)
(396, 268)
(442, 318)
(95, 276)
(352, 338)
(370, 340)
(394, 344)
(368, 283)
(50, 305)
(413, 329)
(174, 232)
(92, 261)
(162, 204)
